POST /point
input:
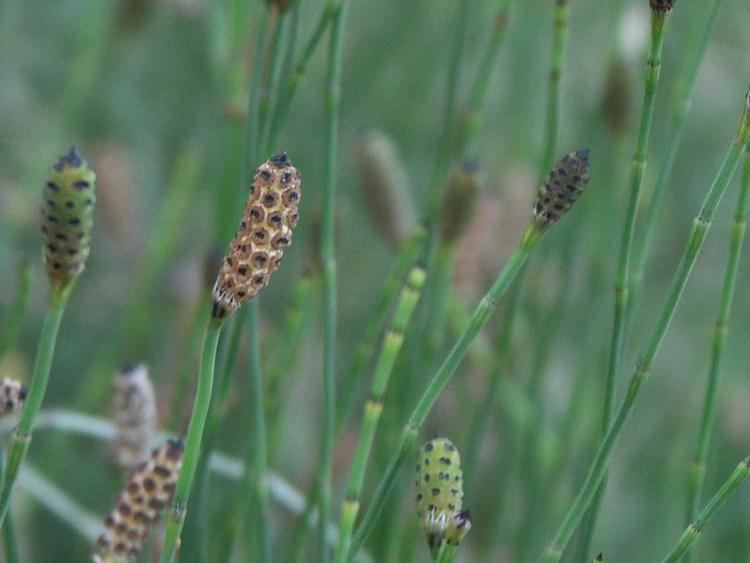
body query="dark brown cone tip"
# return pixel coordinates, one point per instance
(662, 6)
(562, 188)
(73, 158)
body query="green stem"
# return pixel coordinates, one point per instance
(19, 444)
(272, 79)
(680, 108)
(284, 103)
(252, 126)
(468, 142)
(259, 449)
(623, 281)
(694, 530)
(446, 554)
(406, 258)
(479, 319)
(552, 116)
(13, 327)
(737, 234)
(176, 517)
(9, 537)
(701, 224)
(392, 342)
(328, 258)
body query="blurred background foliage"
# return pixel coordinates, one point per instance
(142, 88)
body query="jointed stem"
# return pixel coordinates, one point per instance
(176, 517)
(479, 319)
(21, 439)
(391, 346)
(623, 283)
(327, 255)
(12, 327)
(737, 234)
(691, 533)
(701, 224)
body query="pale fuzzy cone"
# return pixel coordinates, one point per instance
(265, 231)
(117, 192)
(12, 396)
(662, 6)
(148, 491)
(460, 200)
(562, 187)
(68, 217)
(134, 407)
(385, 187)
(617, 98)
(439, 489)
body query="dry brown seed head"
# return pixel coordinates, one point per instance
(148, 490)
(662, 6)
(460, 201)
(272, 211)
(134, 407)
(559, 192)
(12, 396)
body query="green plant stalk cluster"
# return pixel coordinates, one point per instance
(737, 235)
(479, 319)
(623, 280)
(176, 515)
(391, 346)
(328, 258)
(693, 531)
(554, 95)
(21, 439)
(680, 108)
(701, 225)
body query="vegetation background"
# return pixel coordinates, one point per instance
(142, 89)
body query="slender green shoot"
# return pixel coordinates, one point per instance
(10, 543)
(176, 516)
(701, 225)
(694, 530)
(12, 328)
(271, 81)
(391, 346)
(328, 258)
(479, 319)
(737, 235)
(680, 108)
(21, 439)
(446, 554)
(407, 256)
(623, 279)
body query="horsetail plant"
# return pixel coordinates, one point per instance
(563, 186)
(67, 222)
(440, 492)
(148, 491)
(695, 528)
(254, 254)
(660, 10)
(135, 415)
(701, 225)
(392, 342)
(721, 331)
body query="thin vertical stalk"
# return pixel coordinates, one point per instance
(176, 516)
(479, 89)
(259, 451)
(737, 234)
(13, 327)
(623, 281)
(328, 258)
(284, 103)
(252, 130)
(10, 543)
(19, 443)
(701, 225)
(694, 530)
(391, 346)
(271, 81)
(407, 256)
(479, 319)
(554, 95)
(680, 109)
